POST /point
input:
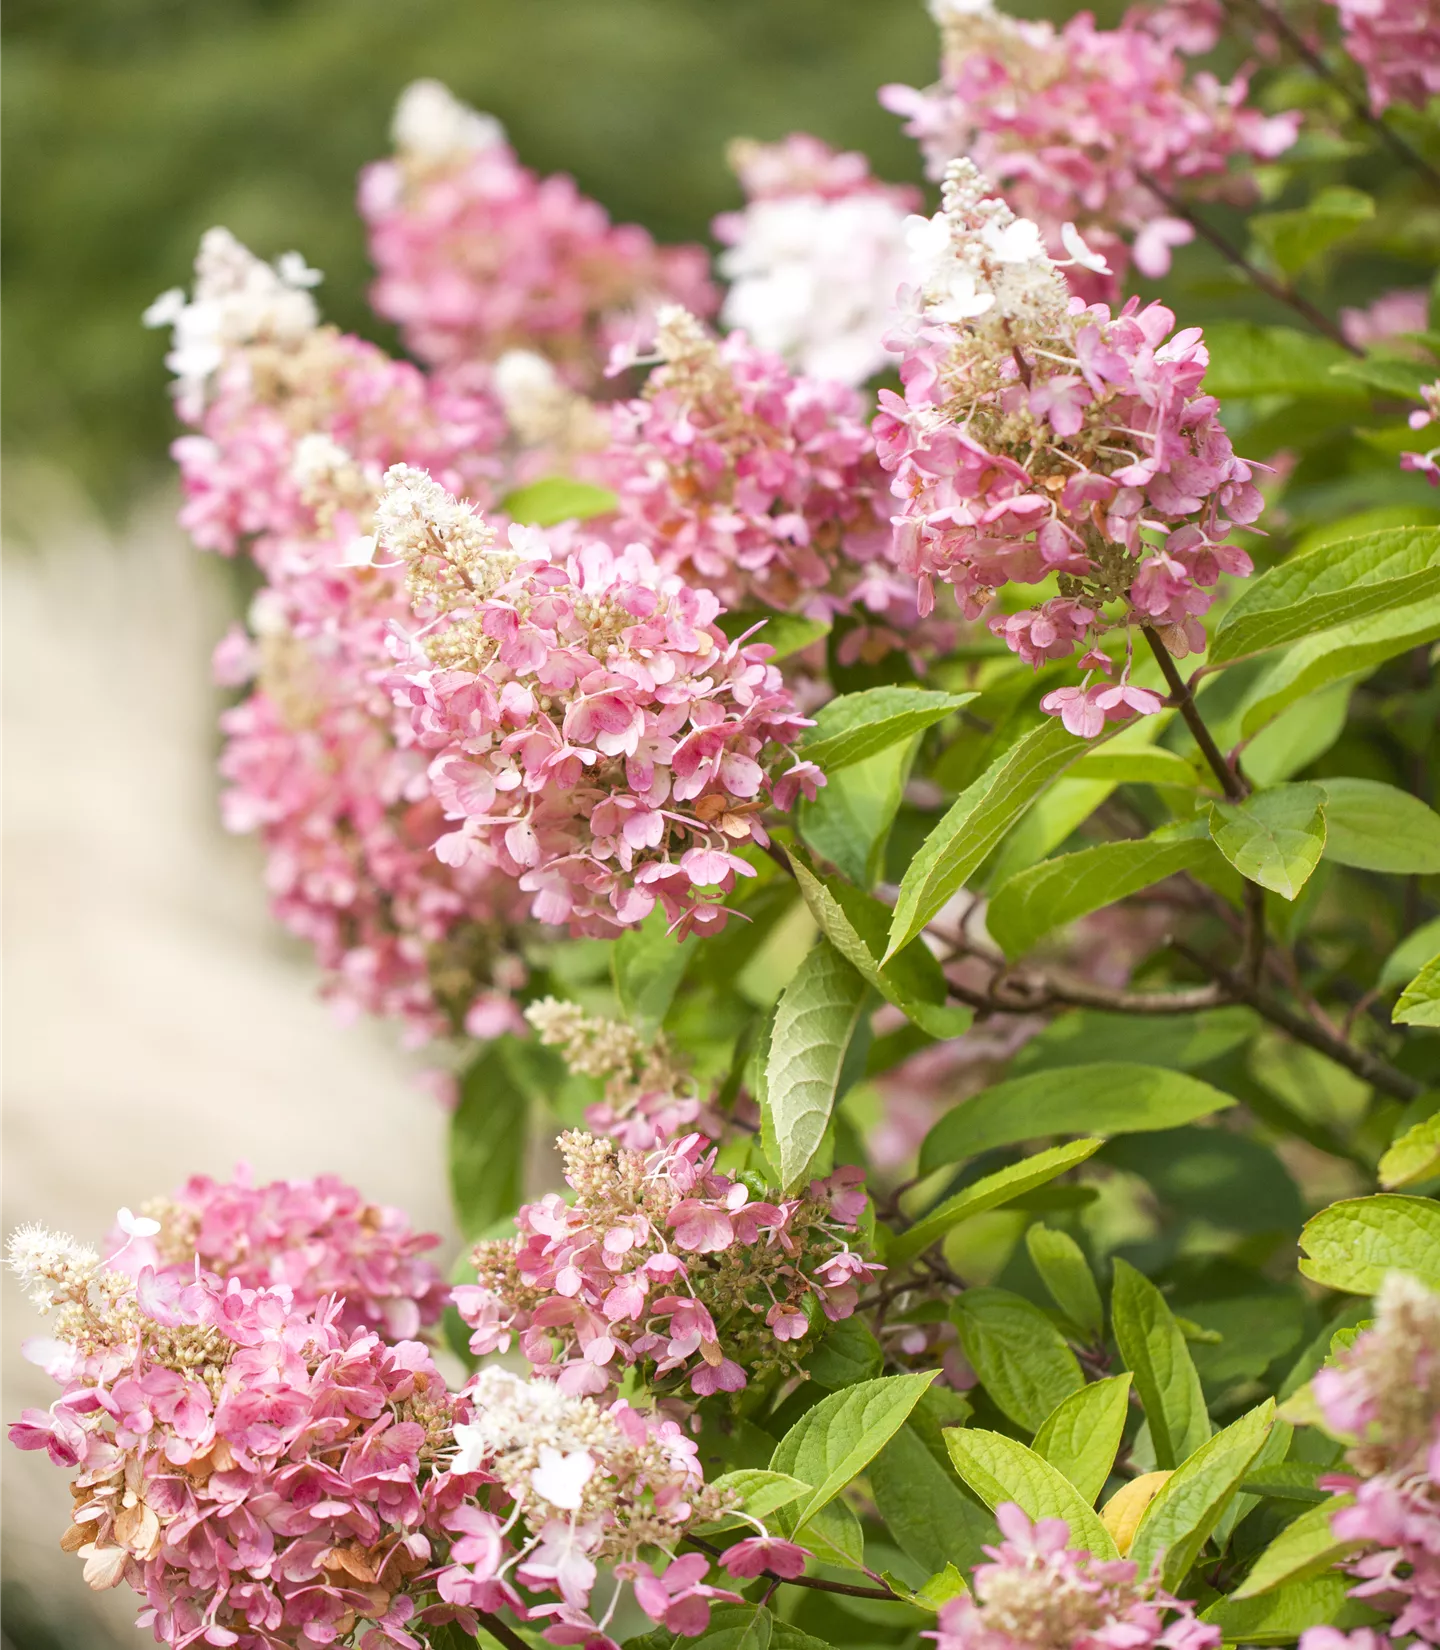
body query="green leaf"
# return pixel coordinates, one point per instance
(750, 1628)
(1411, 955)
(1002, 1469)
(1296, 238)
(1376, 827)
(1298, 736)
(1081, 1436)
(849, 821)
(1274, 837)
(860, 725)
(981, 816)
(833, 1535)
(648, 964)
(1419, 1003)
(1050, 820)
(1352, 1245)
(1067, 1276)
(785, 633)
(1248, 360)
(923, 1507)
(1391, 376)
(1021, 1358)
(847, 1353)
(1178, 1522)
(1138, 767)
(1415, 1156)
(1347, 650)
(1154, 1350)
(815, 1019)
(761, 1491)
(1286, 1481)
(1180, 1042)
(1307, 1547)
(1106, 1097)
(857, 925)
(989, 1193)
(1058, 891)
(833, 1442)
(555, 499)
(488, 1134)
(1282, 1616)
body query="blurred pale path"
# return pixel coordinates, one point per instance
(157, 1022)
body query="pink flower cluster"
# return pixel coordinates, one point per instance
(591, 732)
(743, 477)
(317, 1238)
(1425, 463)
(1070, 123)
(260, 1476)
(1041, 437)
(663, 1262)
(1397, 44)
(1382, 1396)
(1039, 1590)
(296, 426)
(478, 255)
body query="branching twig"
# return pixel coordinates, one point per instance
(1184, 701)
(1286, 31)
(497, 1629)
(1278, 290)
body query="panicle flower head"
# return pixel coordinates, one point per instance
(1038, 436)
(1038, 1593)
(238, 299)
(742, 476)
(815, 257)
(1397, 44)
(294, 436)
(478, 255)
(591, 732)
(51, 1267)
(1383, 1394)
(317, 1238)
(663, 1262)
(259, 1475)
(1068, 122)
(649, 1096)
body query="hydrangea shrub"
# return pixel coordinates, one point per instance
(915, 769)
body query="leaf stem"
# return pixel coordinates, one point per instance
(1280, 291)
(1362, 111)
(1184, 701)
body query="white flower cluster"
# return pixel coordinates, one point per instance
(533, 1437)
(540, 408)
(50, 1266)
(814, 280)
(431, 125)
(976, 262)
(239, 299)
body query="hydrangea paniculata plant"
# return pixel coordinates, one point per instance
(1039, 436)
(663, 1262)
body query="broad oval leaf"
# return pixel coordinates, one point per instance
(1154, 1350)
(1330, 585)
(1058, 891)
(1021, 1358)
(1411, 955)
(1001, 1469)
(1413, 1157)
(1419, 1003)
(815, 1019)
(1081, 1435)
(847, 1352)
(1178, 1522)
(1282, 1616)
(1352, 1245)
(849, 821)
(923, 1507)
(1067, 1276)
(980, 817)
(648, 964)
(989, 1193)
(1376, 827)
(859, 725)
(1307, 1547)
(554, 499)
(1249, 360)
(1274, 837)
(1106, 1097)
(783, 633)
(762, 1491)
(833, 1442)
(1138, 767)
(489, 1132)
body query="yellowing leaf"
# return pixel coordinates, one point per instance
(1122, 1513)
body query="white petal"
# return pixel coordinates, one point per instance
(166, 309)
(1074, 244)
(360, 552)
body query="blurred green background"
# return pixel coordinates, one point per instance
(131, 126)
